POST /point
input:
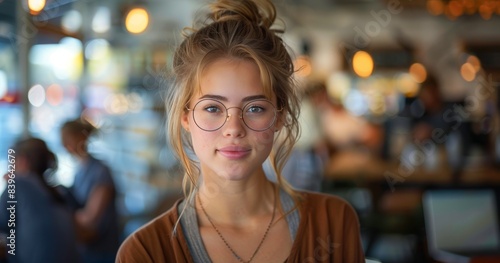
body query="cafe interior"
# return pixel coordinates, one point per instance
(400, 109)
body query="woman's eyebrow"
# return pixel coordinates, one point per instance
(214, 97)
(255, 97)
(222, 98)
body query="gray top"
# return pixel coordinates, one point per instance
(191, 229)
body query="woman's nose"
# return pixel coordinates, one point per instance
(234, 125)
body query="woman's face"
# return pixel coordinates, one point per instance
(233, 152)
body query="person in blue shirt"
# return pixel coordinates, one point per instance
(42, 223)
(94, 192)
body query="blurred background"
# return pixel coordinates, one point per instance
(400, 98)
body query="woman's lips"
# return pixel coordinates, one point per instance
(234, 152)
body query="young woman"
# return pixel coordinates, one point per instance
(233, 96)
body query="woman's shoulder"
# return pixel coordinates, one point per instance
(323, 198)
(156, 228)
(329, 227)
(98, 172)
(323, 203)
(97, 163)
(155, 241)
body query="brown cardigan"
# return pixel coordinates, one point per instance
(328, 232)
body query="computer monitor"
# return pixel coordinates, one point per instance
(461, 223)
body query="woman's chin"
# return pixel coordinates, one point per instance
(233, 177)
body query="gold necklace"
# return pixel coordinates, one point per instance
(227, 244)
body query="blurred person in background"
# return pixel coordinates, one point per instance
(94, 194)
(428, 110)
(427, 113)
(342, 129)
(304, 168)
(44, 226)
(350, 142)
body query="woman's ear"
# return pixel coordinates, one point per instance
(280, 122)
(185, 120)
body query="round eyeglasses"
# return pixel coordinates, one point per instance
(211, 115)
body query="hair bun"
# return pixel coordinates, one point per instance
(261, 13)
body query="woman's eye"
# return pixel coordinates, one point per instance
(212, 109)
(256, 109)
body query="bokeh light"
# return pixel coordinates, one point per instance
(467, 71)
(36, 6)
(137, 20)
(338, 85)
(36, 95)
(377, 103)
(418, 72)
(54, 94)
(435, 7)
(96, 49)
(64, 59)
(356, 103)
(3, 84)
(470, 7)
(362, 63)
(101, 23)
(71, 21)
(485, 11)
(474, 61)
(407, 85)
(116, 104)
(455, 8)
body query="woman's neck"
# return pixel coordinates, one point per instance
(237, 202)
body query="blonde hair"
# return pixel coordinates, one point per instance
(234, 30)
